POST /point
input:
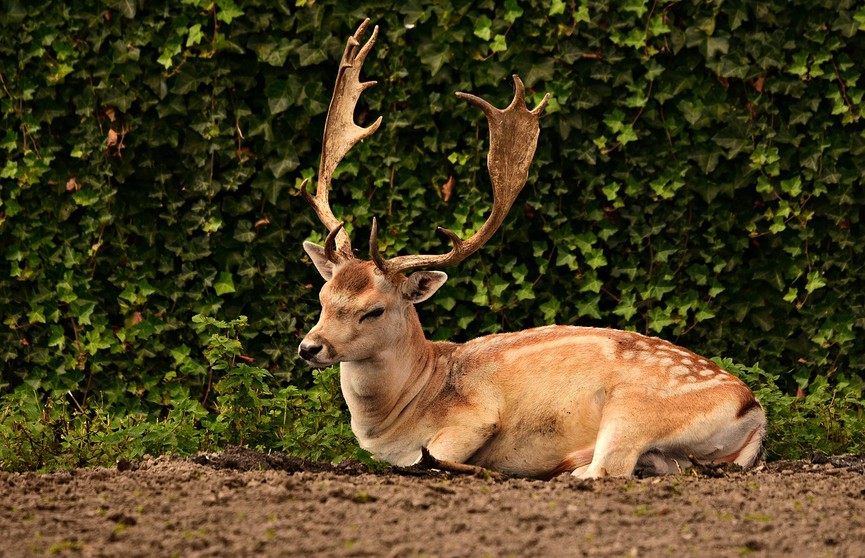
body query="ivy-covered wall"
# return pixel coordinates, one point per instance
(699, 176)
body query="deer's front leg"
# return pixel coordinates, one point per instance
(460, 442)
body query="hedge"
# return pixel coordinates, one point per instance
(699, 177)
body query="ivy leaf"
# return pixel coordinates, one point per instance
(10, 170)
(792, 186)
(588, 307)
(859, 17)
(224, 284)
(82, 309)
(627, 135)
(799, 66)
(815, 281)
(499, 44)
(483, 28)
(56, 337)
(228, 11)
(498, 286)
(36, 316)
(433, 56)
(717, 45)
(285, 162)
(582, 13)
(657, 26)
(525, 292)
(281, 94)
(171, 49)
(615, 121)
(627, 307)
(308, 55)
(637, 7)
(195, 35)
(513, 11)
(550, 309)
(611, 191)
(125, 7)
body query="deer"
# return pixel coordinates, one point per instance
(537, 403)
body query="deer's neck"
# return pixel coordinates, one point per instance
(378, 389)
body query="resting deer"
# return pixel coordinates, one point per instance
(536, 403)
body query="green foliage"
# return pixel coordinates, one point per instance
(827, 418)
(54, 430)
(698, 177)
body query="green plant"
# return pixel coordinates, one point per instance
(827, 418)
(311, 423)
(55, 431)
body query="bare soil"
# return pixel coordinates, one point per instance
(244, 503)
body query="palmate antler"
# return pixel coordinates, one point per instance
(340, 135)
(513, 138)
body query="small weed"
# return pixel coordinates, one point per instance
(119, 528)
(59, 547)
(362, 497)
(643, 510)
(192, 535)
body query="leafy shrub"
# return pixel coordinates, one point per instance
(828, 418)
(698, 177)
(55, 431)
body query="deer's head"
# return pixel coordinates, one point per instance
(367, 304)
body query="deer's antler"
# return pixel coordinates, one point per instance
(513, 138)
(340, 135)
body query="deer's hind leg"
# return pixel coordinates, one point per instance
(632, 434)
(737, 438)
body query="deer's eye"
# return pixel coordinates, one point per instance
(372, 314)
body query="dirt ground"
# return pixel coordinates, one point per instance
(244, 503)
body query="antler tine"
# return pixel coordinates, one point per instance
(513, 139)
(341, 134)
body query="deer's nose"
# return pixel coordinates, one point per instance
(307, 351)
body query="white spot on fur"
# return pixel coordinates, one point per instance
(695, 385)
(561, 345)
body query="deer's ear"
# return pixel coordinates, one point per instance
(319, 260)
(421, 285)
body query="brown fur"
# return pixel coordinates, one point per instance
(749, 403)
(353, 279)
